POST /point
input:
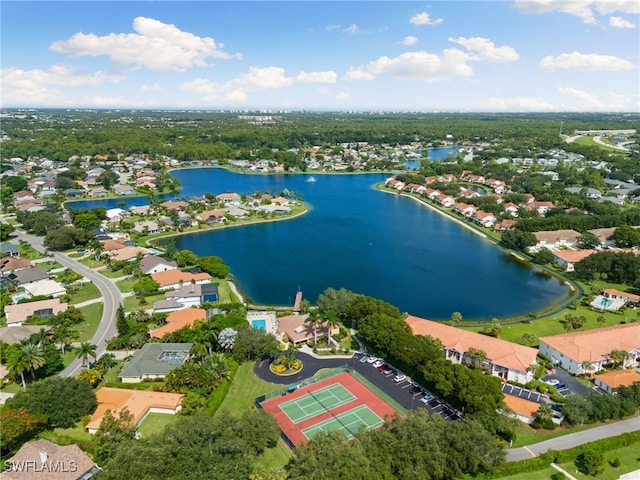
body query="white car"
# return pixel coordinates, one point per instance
(553, 381)
(377, 363)
(399, 378)
(372, 359)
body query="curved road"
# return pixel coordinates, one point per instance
(111, 299)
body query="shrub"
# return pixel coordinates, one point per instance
(590, 462)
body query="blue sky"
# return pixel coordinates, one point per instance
(524, 56)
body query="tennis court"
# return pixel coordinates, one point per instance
(336, 402)
(350, 422)
(316, 402)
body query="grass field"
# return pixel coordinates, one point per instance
(125, 285)
(84, 291)
(107, 272)
(131, 304)
(245, 388)
(155, 423)
(92, 315)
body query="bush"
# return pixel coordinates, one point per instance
(590, 462)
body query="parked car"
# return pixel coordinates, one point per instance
(399, 378)
(377, 363)
(415, 388)
(383, 368)
(371, 359)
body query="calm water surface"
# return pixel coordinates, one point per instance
(378, 244)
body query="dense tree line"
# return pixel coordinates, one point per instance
(579, 222)
(618, 267)
(418, 446)
(595, 407)
(197, 447)
(382, 328)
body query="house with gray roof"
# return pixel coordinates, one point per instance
(154, 361)
(29, 275)
(8, 249)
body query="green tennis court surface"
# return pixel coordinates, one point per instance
(349, 422)
(316, 402)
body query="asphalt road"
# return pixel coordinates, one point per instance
(111, 298)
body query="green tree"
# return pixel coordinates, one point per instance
(477, 356)
(456, 318)
(214, 266)
(18, 363)
(62, 401)
(314, 321)
(590, 462)
(86, 350)
(17, 425)
(619, 357)
(113, 431)
(145, 284)
(185, 257)
(493, 328)
(529, 338)
(34, 357)
(5, 231)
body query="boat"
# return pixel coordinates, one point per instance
(311, 179)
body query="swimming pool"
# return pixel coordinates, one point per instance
(259, 323)
(604, 303)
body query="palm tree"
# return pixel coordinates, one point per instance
(545, 413)
(34, 357)
(619, 357)
(141, 316)
(18, 364)
(86, 350)
(314, 321)
(63, 335)
(331, 321)
(41, 337)
(477, 355)
(586, 366)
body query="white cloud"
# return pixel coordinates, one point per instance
(155, 45)
(154, 87)
(106, 102)
(342, 96)
(518, 104)
(587, 100)
(424, 18)
(421, 66)
(585, 61)
(585, 10)
(619, 22)
(255, 80)
(353, 28)
(483, 49)
(410, 40)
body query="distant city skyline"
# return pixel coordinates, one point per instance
(458, 56)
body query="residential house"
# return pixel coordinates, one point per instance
(229, 198)
(568, 258)
(188, 295)
(18, 333)
(148, 227)
(541, 207)
(175, 205)
(45, 287)
(140, 210)
(445, 200)
(507, 360)
(19, 313)
(154, 361)
(138, 402)
(486, 219)
(13, 264)
(26, 276)
(8, 249)
(172, 279)
(128, 254)
(112, 245)
(585, 192)
(614, 379)
(465, 209)
(154, 264)
(211, 216)
(512, 209)
(237, 212)
(98, 192)
(176, 320)
(574, 350)
(43, 460)
(555, 239)
(123, 189)
(523, 410)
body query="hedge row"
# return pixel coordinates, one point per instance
(219, 394)
(563, 456)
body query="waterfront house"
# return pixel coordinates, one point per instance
(172, 279)
(507, 360)
(573, 350)
(568, 258)
(123, 190)
(555, 239)
(211, 216)
(229, 198)
(154, 264)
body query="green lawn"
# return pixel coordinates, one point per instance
(50, 265)
(245, 388)
(224, 292)
(125, 285)
(525, 435)
(107, 272)
(91, 262)
(155, 423)
(131, 304)
(629, 462)
(84, 291)
(92, 315)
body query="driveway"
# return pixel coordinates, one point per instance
(572, 386)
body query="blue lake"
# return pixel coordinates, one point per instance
(378, 244)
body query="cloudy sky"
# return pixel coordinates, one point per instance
(499, 55)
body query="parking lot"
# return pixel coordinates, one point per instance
(525, 393)
(401, 388)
